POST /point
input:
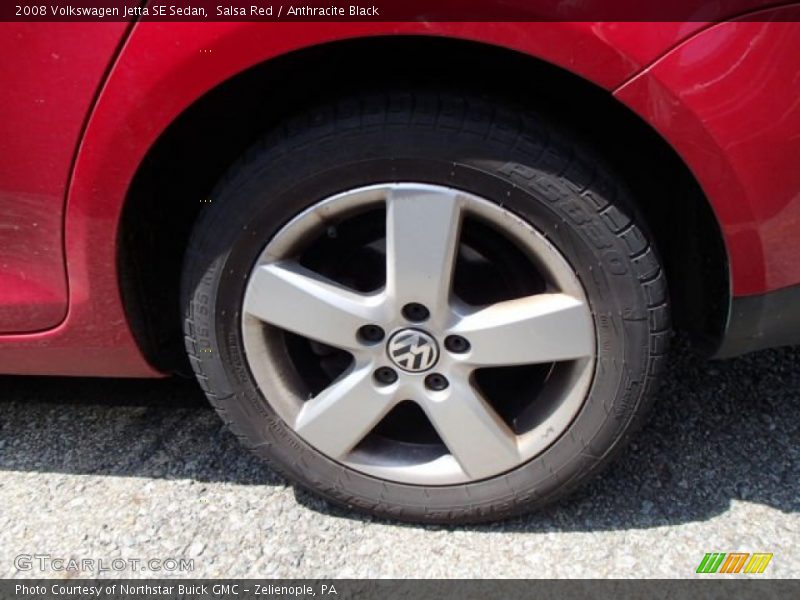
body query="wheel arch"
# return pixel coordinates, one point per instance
(171, 184)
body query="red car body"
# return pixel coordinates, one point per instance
(86, 102)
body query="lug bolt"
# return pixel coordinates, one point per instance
(416, 312)
(456, 344)
(436, 382)
(370, 334)
(385, 375)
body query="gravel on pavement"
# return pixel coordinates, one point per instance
(105, 469)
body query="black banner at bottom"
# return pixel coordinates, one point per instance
(389, 589)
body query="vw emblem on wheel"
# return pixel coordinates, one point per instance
(413, 350)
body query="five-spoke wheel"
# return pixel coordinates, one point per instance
(426, 306)
(414, 340)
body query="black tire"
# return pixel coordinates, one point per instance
(512, 156)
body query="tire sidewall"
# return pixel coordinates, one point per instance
(273, 187)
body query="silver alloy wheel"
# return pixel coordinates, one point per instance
(422, 231)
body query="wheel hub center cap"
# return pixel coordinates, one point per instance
(412, 350)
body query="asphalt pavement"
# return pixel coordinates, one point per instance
(142, 471)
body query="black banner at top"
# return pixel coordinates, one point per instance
(391, 10)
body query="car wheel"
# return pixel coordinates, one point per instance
(428, 307)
